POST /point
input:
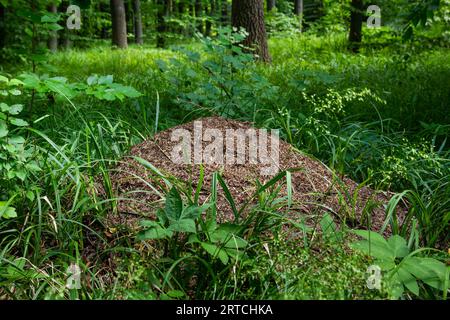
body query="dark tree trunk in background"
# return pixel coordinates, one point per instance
(270, 5)
(52, 42)
(161, 24)
(211, 12)
(198, 15)
(138, 35)
(2, 26)
(249, 14)
(181, 7)
(298, 7)
(64, 39)
(119, 24)
(224, 19)
(103, 7)
(356, 20)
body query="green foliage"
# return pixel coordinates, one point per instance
(219, 241)
(380, 117)
(221, 81)
(402, 267)
(18, 161)
(281, 24)
(102, 88)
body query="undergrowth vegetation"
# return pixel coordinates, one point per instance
(380, 117)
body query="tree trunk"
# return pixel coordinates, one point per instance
(270, 5)
(211, 14)
(356, 19)
(298, 7)
(119, 24)
(198, 15)
(2, 26)
(64, 39)
(224, 19)
(249, 14)
(161, 24)
(52, 42)
(138, 35)
(181, 7)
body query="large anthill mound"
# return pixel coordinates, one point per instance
(316, 189)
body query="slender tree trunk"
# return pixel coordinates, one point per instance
(298, 11)
(198, 15)
(64, 39)
(119, 24)
(161, 24)
(181, 7)
(168, 9)
(138, 35)
(224, 19)
(298, 7)
(249, 14)
(2, 26)
(211, 12)
(270, 5)
(52, 42)
(356, 19)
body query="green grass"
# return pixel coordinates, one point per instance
(380, 117)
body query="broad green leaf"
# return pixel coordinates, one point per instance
(386, 265)
(31, 80)
(16, 140)
(408, 280)
(3, 129)
(60, 87)
(371, 236)
(92, 80)
(15, 109)
(183, 225)
(15, 82)
(30, 195)
(428, 270)
(149, 223)
(228, 239)
(15, 92)
(50, 18)
(105, 79)
(328, 226)
(374, 249)
(398, 246)
(174, 204)
(4, 107)
(154, 233)
(21, 174)
(18, 122)
(236, 242)
(193, 211)
(54, 27)
(6, 211)
(396, 288)
(130, 92)
(214, 251)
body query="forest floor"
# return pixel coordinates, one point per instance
(361, 135)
